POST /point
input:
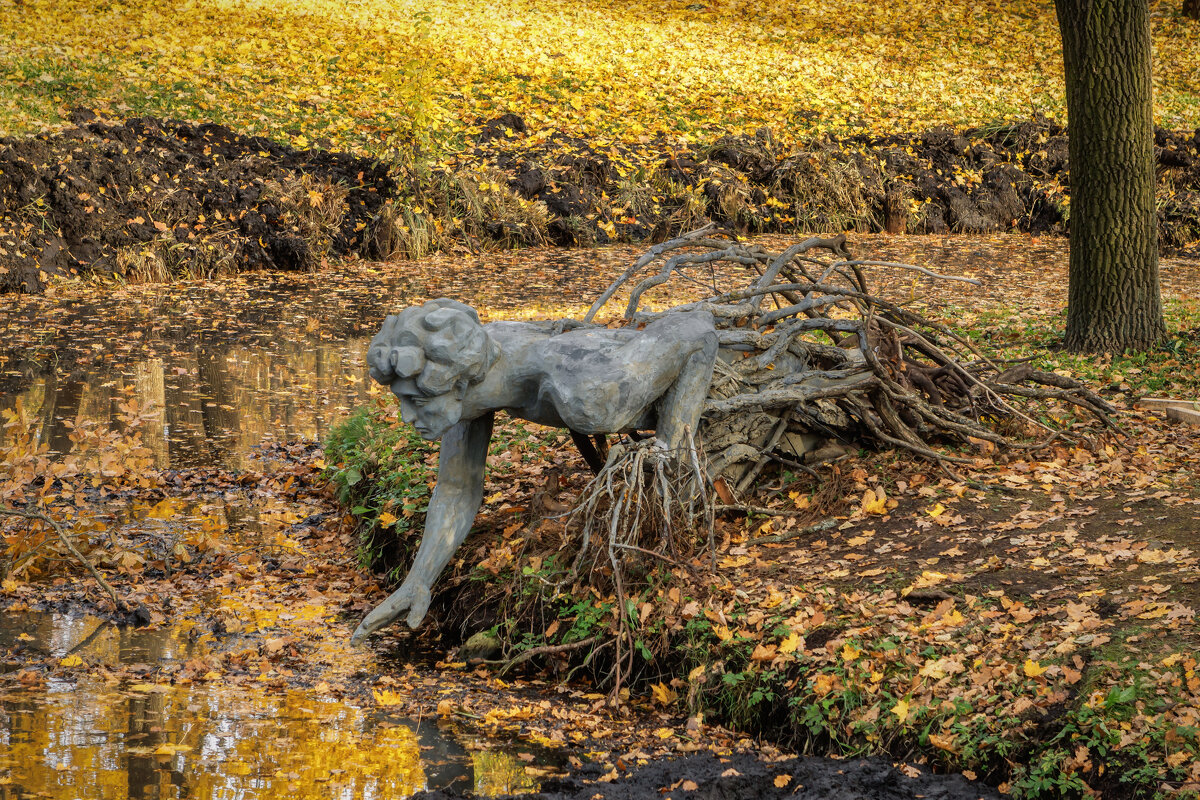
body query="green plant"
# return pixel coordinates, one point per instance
(382, 470)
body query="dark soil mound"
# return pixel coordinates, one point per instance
(151, 199)
(983, 180)
(743, 777)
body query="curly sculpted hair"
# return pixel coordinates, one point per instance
(441, 345)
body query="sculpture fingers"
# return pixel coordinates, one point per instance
(386, 612)
(418, 605)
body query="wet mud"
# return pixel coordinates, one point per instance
(744, 777)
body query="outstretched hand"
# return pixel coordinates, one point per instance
(413, 596)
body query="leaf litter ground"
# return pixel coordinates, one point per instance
(1050, 587)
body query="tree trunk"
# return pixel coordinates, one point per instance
(1191, 8)
(1113, 295)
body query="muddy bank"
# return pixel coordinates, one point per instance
(744, 777)
(151, 199)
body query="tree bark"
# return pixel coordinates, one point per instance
(1191, 8)
(1113, 301)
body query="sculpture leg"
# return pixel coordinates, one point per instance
(680, 408)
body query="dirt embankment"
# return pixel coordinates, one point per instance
(150, 199)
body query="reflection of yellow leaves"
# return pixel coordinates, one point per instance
(166, 509)
(171, 749)
(147, 688)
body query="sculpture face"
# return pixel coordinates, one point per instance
(431, 415)
(430, 355)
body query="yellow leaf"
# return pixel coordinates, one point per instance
(664, 733)
(901, 710)
(790, 643)
(936, 511)
(386, 519)
(388, 698)
(663, 694)
(71, 661)
(874, 502)
(763, 652)
(943, 743)
(1033, 668)
(824, 683)
(782, 781)
(850, 652)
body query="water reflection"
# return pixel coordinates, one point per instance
(209, 405)
(86, 737)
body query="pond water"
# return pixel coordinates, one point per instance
(88, 737)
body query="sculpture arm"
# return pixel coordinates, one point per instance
(452, 509)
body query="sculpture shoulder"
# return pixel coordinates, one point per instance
(518, 333)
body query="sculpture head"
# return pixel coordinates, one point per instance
(430, 355)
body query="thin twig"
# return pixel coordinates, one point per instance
(544, 650)
(66, 540)
(816, 527)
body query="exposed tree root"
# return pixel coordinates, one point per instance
(826, 359)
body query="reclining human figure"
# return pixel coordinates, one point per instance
(452, 374)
